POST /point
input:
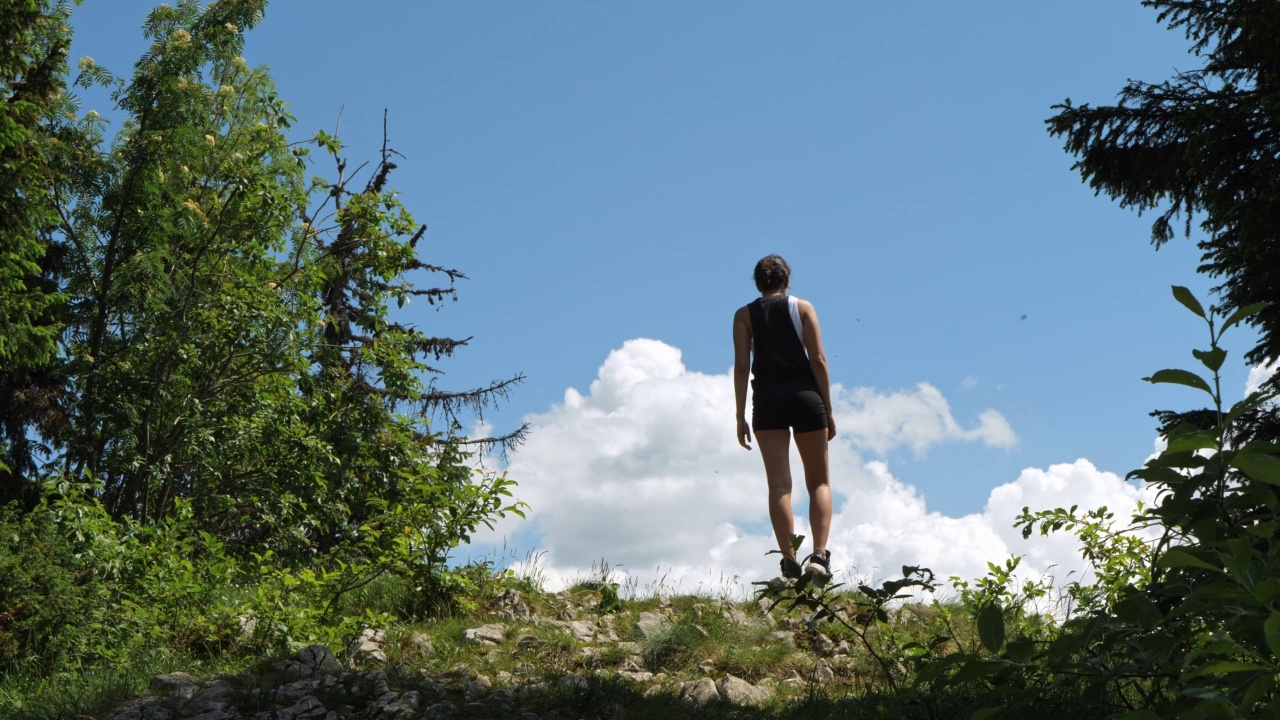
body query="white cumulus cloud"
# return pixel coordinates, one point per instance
(1259, 374)
(644, 472)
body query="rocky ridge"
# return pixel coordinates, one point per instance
(595, 649)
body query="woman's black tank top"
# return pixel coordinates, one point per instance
(777, 353)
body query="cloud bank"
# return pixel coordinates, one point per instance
(644, 473)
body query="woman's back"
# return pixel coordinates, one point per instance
(777, 351)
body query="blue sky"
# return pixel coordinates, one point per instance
(611, 171)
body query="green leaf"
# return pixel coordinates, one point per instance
(1267, 591)
(1263, 468)
(991, 627)
(1212, 358)
(1137, 609)
(1272, 630)
(1181, 558)
(1180, 377)
(1185, 297)
(1242, 314)
(975, 669)
(1222, 667)
(1196, 441)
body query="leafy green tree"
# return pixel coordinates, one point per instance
(1202, 146)
(228, 338)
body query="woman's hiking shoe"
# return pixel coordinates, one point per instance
(818, 566)
(791, 568)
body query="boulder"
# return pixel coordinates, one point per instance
(700, 692)
(367, 646)
(309, 661)
(783, 637)
(651, 625)
(178, 683)
(422, 645)
(822, 645)
(484, 635)
(581, 630)
(737, 691)
(403, 707)
(511, 606)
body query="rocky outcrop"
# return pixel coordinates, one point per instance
(314, 685)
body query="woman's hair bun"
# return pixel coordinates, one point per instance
(772, 273)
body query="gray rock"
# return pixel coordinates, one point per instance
(144, 710)
(639, 676)
(581, 630)
(439, 711)
(403, 707)
(783, 637)
(179, 683)
(484, 635)
(576, 682)
(477, 688)
(730, 612)
(651, 624)
(822, 645)
(213, 698)
(248, 625)
(422, 645)
(700, 692)
(216, 715)
(502, 697)
(314, 660)
(844, 648)
(367, 646)
(368, 684)
(590, 657)
(706, 666)
(737, 691)
(513, 607)
(293, 692)
(823, 674)
(631, 648)
(308, 708)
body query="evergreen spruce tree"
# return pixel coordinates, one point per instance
(1202, 147)
(33, 69)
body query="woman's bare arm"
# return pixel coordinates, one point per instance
(742, 371)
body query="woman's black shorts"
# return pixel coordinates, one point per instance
(794, 404)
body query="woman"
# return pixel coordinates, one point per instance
(776, 339)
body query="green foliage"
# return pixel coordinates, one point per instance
(1187, 625)
(232, 421)
(52, 597)
(865, 616)
(1117, 557)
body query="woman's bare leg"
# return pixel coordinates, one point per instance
(813, 455)
(775, 450)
